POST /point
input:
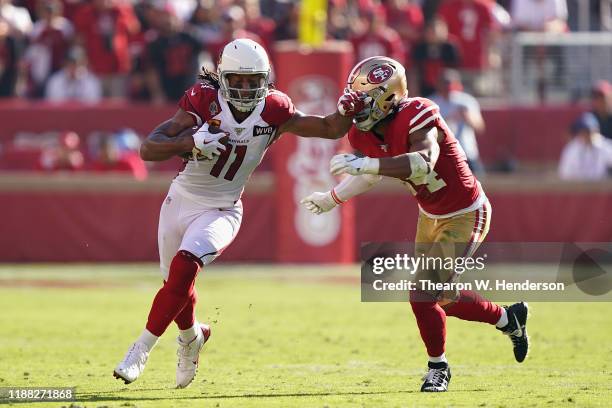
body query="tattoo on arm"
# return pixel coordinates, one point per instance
(169, 139)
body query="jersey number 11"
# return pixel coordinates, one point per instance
(233, 168)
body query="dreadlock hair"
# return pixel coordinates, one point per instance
(212, 78)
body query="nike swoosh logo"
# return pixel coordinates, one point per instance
(519, 328)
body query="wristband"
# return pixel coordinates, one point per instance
(335, 197)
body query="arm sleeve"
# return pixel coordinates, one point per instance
(192, 100)
(352, 186)
(426, 115)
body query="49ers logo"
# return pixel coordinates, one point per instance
(380, 74)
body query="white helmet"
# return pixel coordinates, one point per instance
(244, 56)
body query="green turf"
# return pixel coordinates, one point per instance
(284, 337)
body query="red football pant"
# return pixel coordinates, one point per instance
(431, 317)
(186, 317)
(431, 320)
(473, 307)
(176, 299)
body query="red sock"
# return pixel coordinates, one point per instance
(175, 293)
(473, 307)
(186, 317)
(431, 321)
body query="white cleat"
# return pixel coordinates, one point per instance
(133, 363)
(189, 356)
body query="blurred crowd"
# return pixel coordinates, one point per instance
(151, 50)
(101, 152)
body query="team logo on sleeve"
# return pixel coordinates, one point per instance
(262, 130)
(380, 74)
(213, 108)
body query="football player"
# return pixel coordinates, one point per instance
(238, 115)
(407, 139)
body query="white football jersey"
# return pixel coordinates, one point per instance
(220, 182)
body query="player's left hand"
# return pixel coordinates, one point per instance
(318, 203)
(352, 103)
(353, 165)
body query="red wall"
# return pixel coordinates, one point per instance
(117, 227)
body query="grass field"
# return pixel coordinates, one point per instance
(284, 337)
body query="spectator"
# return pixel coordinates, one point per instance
(105, 27)
(433, 54)
(182, 9)
(205, 22)
(539, 15)
(9, 57)
(588, 156)
(49, 42)
(66, 155)
(287, 21)
(338, 20)
(111, 158)
(405, 17)
(232, 27)
(601, 107)
(172, 58)
(263, 26)
(74, 82)
(373, 37)
(462, 114)
(471, 23)
(17, 18)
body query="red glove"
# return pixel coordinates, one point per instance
(351, 103)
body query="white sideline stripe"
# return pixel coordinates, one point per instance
(414, 129)
(417, 117)
(483, 213)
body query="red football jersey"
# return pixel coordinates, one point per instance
(451, 186)
(470, 23)
(202, 101)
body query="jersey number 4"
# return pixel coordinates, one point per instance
(233, 168)
(432, 181)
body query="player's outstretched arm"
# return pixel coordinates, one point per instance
(417, 163)
(348, 188)
(332, 126)
(170, 138)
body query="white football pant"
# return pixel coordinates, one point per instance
(185, 224)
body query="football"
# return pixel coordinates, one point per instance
(212, 129)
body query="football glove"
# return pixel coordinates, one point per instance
(353, 165)
(206, 144)
(318, 203)
(353, 103)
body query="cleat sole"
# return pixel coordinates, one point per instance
(119, 377)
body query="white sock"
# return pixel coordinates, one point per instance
(503, 320)
(148, 338)
(191, 333)
(440, 359)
